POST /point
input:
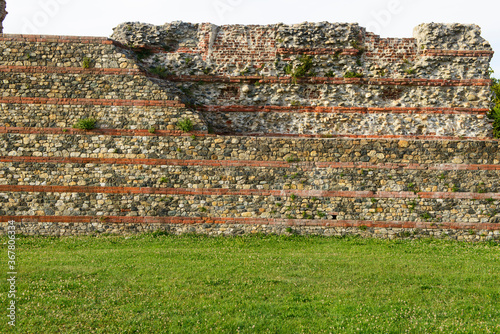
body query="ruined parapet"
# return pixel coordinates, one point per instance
(450, 37)
(436, 83)
(336, 48)
(180, 34)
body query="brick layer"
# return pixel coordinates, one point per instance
(346, 110)
(240, 79)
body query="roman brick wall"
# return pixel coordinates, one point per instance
(403, 151)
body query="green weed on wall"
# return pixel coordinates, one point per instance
(495, 111)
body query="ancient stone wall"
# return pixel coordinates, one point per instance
(283, 140)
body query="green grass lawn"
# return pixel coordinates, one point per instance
(194, 284)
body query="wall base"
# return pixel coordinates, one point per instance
(96, 228)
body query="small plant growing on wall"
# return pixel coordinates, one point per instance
(85, 124)
(410, 71)
(355, 45)
(304, 69)
(495, 111)
(185, 125)
(408, 67)
(160, 71)
(142, 54)
(411, 206)
(351, 74)
(426, 216)
(292, 158)
(167, 48)
(86, 62)
(495, 116)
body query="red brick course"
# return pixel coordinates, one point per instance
(242, 108)
(407, 137)
(456, 53)
(332, 81)
(344, 110)
(263, 80)
(317, 51)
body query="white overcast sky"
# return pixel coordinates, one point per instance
(389, 18)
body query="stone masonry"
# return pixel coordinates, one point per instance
(314, 128)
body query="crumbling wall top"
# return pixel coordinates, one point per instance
(450, 37)
(443, 36)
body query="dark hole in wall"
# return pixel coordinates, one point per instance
(392, 93)
(229, 92)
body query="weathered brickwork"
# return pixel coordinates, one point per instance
(314, 128)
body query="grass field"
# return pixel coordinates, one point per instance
(193, 284)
